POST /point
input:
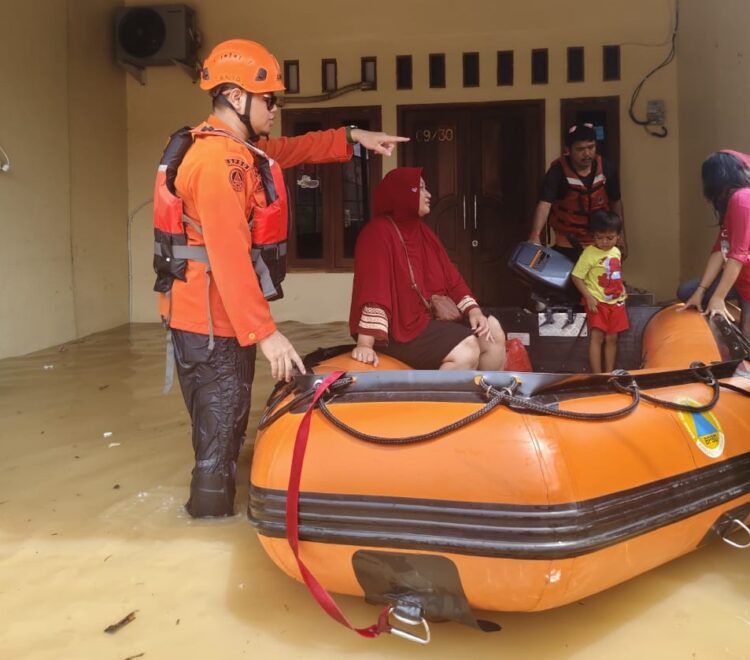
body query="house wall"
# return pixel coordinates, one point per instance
(311, 32)
(98, 168)
(63, 203)
(84, 138)
(714, 110)
(36, 273)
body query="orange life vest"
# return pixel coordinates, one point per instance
(269, 225)
(570, 215)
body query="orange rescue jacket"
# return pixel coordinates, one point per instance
(221, 190)
(268, 225)
(570, 215)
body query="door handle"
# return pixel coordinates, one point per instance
(464, 212)
(475, 212)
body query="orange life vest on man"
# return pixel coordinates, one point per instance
(268, 225)
(569, 216)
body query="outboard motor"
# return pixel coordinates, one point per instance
(546, 271)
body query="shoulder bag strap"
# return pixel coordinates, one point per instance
(408, 263)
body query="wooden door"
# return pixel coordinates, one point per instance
(483, 163)
(329, 203)
(437, 138)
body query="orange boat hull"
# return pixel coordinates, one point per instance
(534, 511)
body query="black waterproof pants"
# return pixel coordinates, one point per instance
(216, 386)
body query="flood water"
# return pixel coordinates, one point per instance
(95, 469)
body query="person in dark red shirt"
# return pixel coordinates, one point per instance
(576, 185)
(726, 184)
(399, 266)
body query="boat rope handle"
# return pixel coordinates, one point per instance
(709, 378)
(734, 388)
(734, 544)
(517, 403)
(504, 396)
(269, 416)
(682, 407)
(423, 437)
(702, 373)
(318, 591)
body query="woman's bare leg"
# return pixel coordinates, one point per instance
(492, 354)
(463, 356)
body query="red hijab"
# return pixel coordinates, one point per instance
(381, 273)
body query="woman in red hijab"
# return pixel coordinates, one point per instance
(399, 264)
(726, 184)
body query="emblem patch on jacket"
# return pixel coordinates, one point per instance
(237, 179)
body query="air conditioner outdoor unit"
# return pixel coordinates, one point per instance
(156, 35)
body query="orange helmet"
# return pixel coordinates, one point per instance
(244, 63)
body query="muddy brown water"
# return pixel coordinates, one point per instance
(94, 472)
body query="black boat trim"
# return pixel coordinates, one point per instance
(417, 386)
(513, 531)
(732, 344)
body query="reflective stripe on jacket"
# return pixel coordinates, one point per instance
(570, 215)
(224, 191)
(268, 225)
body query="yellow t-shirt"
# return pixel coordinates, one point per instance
(601, 272)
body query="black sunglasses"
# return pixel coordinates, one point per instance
(273, 101)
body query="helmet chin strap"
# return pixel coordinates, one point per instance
(243, 116)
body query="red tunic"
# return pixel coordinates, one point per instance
(381, 272)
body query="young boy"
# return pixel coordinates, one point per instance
(598, 276)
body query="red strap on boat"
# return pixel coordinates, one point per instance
(318, 591)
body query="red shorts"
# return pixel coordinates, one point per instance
(610, 319)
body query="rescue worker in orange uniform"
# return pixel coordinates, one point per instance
(577, 184)
(215, 307)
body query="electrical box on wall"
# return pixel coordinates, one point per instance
(156, 35)
(656, 113)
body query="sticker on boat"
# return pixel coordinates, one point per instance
(703, 428)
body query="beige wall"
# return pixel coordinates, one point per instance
(98, 168)
(36, 275)
(84, 138)
(336, 29)
(63, 259)
(714, 101)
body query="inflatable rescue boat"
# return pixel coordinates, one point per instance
(508, 491)
(435, 492)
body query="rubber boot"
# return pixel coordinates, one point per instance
(211, 494)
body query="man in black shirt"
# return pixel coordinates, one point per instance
(577, 184)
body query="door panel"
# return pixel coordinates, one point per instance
(329, 203)
(489, 212)
(505, 196)
(489, 161)
(307, 231)
(356, 200)
(436, 138)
